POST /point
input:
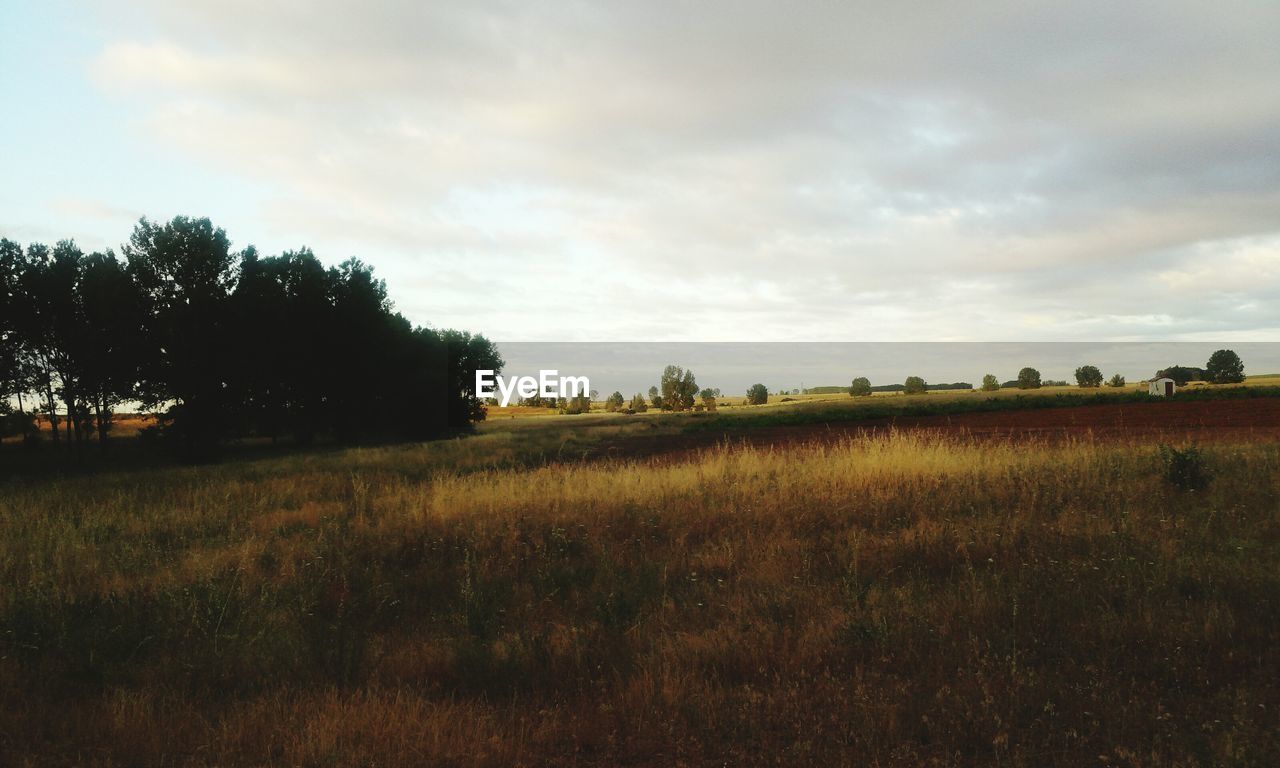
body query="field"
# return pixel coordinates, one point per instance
(1011, 586)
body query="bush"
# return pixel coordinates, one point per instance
(757, 395)
(1185, 469)
(990, 383)
(1116, 381)
(638, 403)
(914, 385)
(1028, 378)
(861, 387)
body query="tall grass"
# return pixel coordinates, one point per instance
(904, 599)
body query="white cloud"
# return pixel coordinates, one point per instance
(719, 170)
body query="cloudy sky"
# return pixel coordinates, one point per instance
(671, 171)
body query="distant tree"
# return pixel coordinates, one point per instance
(1116, 381)
(1028, 378)
(914, 385)
(990, 383)
(758, 394)
(575, 405)
(861, 387)
(638, 403)
(1181, 374)
(614, 402)
(708, 398)
(1088, 376)
(655, 397)
(1225, 367)
(679, 389)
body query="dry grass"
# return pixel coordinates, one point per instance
(903, 600)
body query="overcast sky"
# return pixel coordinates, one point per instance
(685, 170)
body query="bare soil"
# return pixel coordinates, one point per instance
(1173, 422)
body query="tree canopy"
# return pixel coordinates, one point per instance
(1028, 378)
(679, 389)
(860, 387)
(222, 344)
(1224, 367)
(1088, 376)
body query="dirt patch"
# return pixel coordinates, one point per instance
(1202, 421)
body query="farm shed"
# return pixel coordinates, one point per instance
(1161, 387)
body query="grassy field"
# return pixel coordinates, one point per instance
(903, 599)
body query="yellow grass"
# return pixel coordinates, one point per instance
(904, 600)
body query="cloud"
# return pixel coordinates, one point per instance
(710, 170)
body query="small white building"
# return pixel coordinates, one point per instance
(1161, 387)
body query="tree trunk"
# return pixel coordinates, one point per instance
(26, 430)
(53, 409)
(98, 407)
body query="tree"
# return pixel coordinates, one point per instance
(709, 398)
(614, 402)
(990, 383)
(15, 374)
(1088, 376)
(1225, 367)
(185, 271)
(914, 385)
(861, 387)
(758, 394)
(226, 343)
(112, 318)
(575, 405)
(1028, 378)
(678, 388)
(638, 404)
(655, 398)
(1116, 381)
(1182, 374)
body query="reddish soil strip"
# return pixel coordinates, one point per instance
(1255, 419)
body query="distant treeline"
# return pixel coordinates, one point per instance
(887, 388)
(220, 344)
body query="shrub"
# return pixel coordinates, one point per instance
(1028, 378)
(757, 395)
(1185, 469)
(614, 402)
(861, 387)
(1116, 381)
(914, 385)
(638, 403)
(990, 383)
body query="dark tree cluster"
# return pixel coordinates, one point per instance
(221, 344)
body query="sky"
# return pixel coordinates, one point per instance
(685, 171)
